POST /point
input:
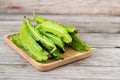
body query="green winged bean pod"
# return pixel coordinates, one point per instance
(55, 29)
(78, 44)
(16, 40)
(33, 49)
(40, 20)
(70, 29)
(46, 42)
(56, 40)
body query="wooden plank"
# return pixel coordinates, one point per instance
(66, 18)
(13, 26)
(58, 78)
(79, 7)
(74, 71)
(102, 57)
(85, 24)
(88, 25)
(24, 72)
(94, 40)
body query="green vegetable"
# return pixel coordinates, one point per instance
(56, 40)
(57, 55)
(33, 49)
(55, 29)
(39, 19)
(16, 40)
(46, 42)
(78, 44)
(47, 39)
(69, 29)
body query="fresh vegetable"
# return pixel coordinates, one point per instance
(57, 55)
(40, 20)
(55, 29)
(47, 39)
(70, 29)
(78, 44)
(47, 43)
(56, 40)
(33, 49)
(16, 40)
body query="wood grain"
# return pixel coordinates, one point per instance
(100, 32)
(76, 7)
(65, 73)
(85, 24)
(95, 40)
(110, 59)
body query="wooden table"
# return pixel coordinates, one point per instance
(102, 33)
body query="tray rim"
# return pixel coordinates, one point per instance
(42, 66)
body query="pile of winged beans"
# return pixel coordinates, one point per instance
(47, 39)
